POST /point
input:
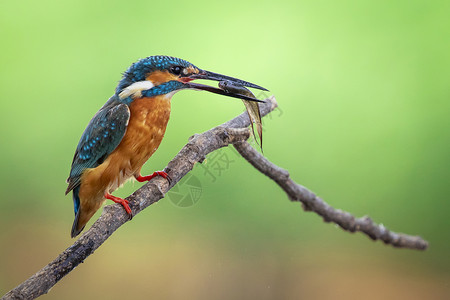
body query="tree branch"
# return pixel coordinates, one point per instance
(235, 132)
(311, 202)
(114, 216)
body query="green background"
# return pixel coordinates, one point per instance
(363, 88)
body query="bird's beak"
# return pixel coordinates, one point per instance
(218, 77)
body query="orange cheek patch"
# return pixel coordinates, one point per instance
(159, 77)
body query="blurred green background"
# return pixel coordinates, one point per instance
(363, 88)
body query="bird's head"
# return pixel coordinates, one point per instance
(165, 75)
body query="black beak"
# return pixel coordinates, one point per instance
(218, 77)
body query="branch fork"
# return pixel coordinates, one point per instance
(233, 132)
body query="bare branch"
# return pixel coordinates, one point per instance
(114, 216)
(199, 145)
(311, 202)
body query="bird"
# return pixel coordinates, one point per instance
(128, 129)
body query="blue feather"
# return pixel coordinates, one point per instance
(76, 206)
(76, 199)
(164, 88)
(99, 139)
(138, 71)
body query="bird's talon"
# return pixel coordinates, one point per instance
(169, 179)
(114, 125)
(121, 201)
(150, 177)
(165, 175)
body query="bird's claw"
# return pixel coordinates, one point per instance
(122, 202)
(157, 173)
(169, 179)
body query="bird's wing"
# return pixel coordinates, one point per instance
(102, 135)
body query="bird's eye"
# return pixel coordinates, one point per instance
(176, 70)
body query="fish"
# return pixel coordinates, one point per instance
(252, 107)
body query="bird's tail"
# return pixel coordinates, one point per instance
(76, 227)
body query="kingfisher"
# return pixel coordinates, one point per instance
(128, 129)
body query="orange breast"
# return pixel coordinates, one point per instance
(145, 131)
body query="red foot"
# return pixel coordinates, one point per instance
(121, 201)
(149, 177)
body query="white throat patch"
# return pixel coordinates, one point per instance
(135, 90)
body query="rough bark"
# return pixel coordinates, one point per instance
(234, 132)
(311, 202)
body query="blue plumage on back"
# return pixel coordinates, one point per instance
(111, 151)
(102, 135)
